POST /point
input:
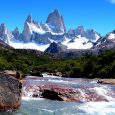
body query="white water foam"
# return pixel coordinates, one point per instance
(105, 92)
(30, 99)
(99, 108)
(57, 81)
(50, 76)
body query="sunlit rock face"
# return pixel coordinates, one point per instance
(16, 33)
(27, 33)
(106, 42)
(56, 22)
(10, 93)
(5, 34)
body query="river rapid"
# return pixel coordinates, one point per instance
(40, 106)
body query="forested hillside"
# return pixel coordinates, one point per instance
(88, 66)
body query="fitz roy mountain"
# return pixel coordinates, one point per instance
(53, 37)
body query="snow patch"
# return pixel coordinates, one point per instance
(111, 36)
(33, 46)
(36, 29)
(78, 43)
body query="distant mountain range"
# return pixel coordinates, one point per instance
(53, 37)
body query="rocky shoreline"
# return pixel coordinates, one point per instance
(106, 81)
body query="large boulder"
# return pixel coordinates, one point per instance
(10, 92)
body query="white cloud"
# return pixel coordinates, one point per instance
(112, 1)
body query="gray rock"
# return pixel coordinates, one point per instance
(16, 33)
(5, 34)
(56, 22)
(56, 48)
(10, 93)
(106, 42)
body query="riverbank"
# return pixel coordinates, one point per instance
(106, 81)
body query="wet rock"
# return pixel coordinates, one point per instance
(50, 91)
(10, 92)
(49, 94)
(58, 92)
(66, 92)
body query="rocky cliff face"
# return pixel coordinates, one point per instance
(56, 48)
(10, 93)
(106, 42)
(16, 34)
(90, 34)
(56, 22)
(5, 34)
(27, 33)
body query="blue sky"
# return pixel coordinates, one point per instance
(97, 14)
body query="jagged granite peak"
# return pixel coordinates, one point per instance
(3, 29)
(29, 19)
(27, 33)
(107, 41)
(92, 35)
(56, 48)
(5, 34)
(56, 12)
(80, 31)
(31, 28)
(16, 33)
(56, 22)
(63, 23)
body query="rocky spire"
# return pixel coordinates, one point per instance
(56, 22)
(29, 19)
(92, 35)
(63, 23)
(27, 33)
(5, 34)
(3, 29)
(16, 33)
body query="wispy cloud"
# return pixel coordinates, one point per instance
(112, 1)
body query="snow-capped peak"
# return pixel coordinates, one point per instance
(56, 22)
(39, 36)
(5, 34)
(111, 36)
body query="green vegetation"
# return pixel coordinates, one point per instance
(89, 66)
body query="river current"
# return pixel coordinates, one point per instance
(39, 106)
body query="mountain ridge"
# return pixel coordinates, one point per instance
(40, 36)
